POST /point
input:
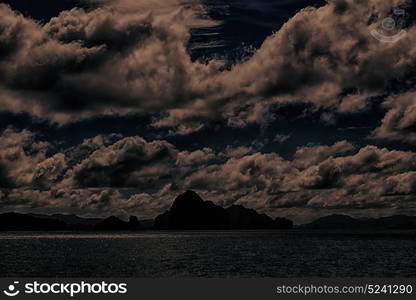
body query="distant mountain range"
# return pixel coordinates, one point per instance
(28, 222)
(190, 212)
(346, 222)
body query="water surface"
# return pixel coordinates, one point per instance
(218, 254)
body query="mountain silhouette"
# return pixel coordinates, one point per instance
(134, 223)
(115, 224)
(334, 222)
(190, 212)
(347, 222)
(73, 222)
(59, 222)
(240, 217)
(22, 222)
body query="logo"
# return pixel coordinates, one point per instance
(12, 290)
(391, 28)
(72, 289)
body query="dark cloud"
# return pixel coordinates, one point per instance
(319, 53)
(120, 58)
(130, 162)
(309, 156)
(133, 175)
(129, 57)
(399, 124)
(326, 56)
(103, 61)
(23, 160)
(49, 170)
(335, 177)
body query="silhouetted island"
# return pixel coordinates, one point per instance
(347, 222)
(73, 222)
(190, 212)
(22, 222)
(114, 223)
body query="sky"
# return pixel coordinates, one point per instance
(298, 108)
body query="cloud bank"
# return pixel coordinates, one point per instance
(131, 56)
(126, 57)
(131, 175)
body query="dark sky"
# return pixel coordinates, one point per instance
(295, 108)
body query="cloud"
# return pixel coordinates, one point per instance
(79, 152)
(319, 177)
(187, 158)
(325, 56)
(328, 48)
(102, 61)
(128, 56)
(23, 160)
(131, 175)
(49, 170)
(130, 162)
(399, 124)
(281, 138)
(131, 56)
(307, 156)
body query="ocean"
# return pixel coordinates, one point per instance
(211, 254)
